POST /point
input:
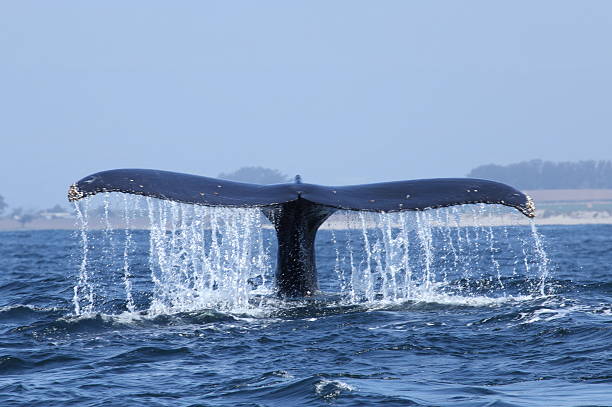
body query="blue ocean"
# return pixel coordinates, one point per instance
(163, 304)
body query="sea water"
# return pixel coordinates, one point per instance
(158, 303)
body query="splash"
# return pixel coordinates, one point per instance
(203, 257)
(440, 256)
(157, 257)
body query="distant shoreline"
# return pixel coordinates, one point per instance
(71, 224)
(553, 207)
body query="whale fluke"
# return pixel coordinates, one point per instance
(380, 197)
(298, 209)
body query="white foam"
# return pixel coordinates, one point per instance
(331, 389)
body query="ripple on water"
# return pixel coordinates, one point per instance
(464, 342)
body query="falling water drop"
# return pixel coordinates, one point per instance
(83, 290)
(127, 245)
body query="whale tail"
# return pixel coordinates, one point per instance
(298, 209)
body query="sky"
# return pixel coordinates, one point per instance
(341, 92)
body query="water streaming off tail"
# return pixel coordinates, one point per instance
(169, 257)
(459, 252)
(203, 257)
(143, 254)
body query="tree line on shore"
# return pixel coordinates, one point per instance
(538, 174)
(25, 216)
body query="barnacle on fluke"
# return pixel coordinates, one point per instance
(298, 209)
(74, 194)
(529, 209)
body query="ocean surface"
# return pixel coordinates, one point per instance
(413, 311)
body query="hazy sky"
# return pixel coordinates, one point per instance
(338, 91)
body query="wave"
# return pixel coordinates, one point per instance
(147, 354)
(20, 312)
(509, 310)
(13, 365)
(274, 387)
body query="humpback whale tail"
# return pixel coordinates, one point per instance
(298, 209)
